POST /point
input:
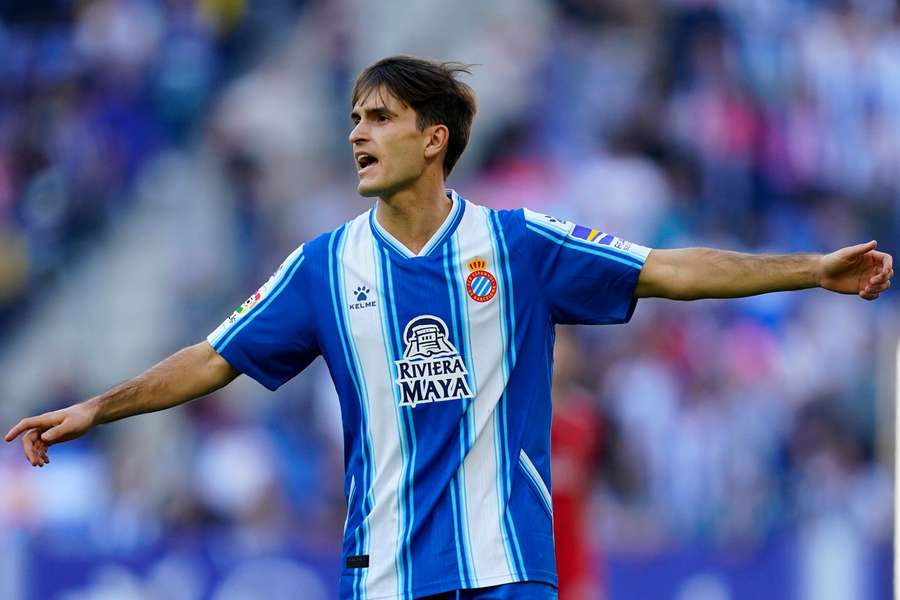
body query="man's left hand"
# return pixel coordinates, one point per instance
(859, 269)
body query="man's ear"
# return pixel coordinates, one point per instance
(436, 142)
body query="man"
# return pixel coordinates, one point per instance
(436, 319)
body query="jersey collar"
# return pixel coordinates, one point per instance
(443, 232)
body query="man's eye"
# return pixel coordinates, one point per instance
(382, 118)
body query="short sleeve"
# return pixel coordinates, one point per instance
(271, 336)
(587, 276)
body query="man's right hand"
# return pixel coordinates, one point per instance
(42, 431)
(189, 373)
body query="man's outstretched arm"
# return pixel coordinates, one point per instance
(694, 273)
(189, 373)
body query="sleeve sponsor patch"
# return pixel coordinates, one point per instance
(591, 235)
(587, 234)
(604, 239)
(258, 296)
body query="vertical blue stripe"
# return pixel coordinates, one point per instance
(457, 517)
(511, 357)
(408, 435)
(501, 257)
(467, 433)
(499, 443)
(390, 356)
(364, 399)
(464, 315)
(456, 527)
(337, 300)
(456, 307)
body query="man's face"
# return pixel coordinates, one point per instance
(388, 147)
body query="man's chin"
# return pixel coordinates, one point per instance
(367, 190)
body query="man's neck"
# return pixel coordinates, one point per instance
(412, 216)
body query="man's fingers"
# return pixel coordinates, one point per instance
(860, 249)
(35, 449)
(26, 424)
(880, 278)
(18, 428)
(879, 283)
(55, 433)
(31, 444)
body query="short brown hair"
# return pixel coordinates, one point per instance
(429, 88)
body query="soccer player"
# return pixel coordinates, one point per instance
(436, 319)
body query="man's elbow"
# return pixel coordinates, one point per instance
(218, 371)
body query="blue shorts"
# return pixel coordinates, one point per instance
(523, 590)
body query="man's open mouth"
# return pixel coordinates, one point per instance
(364, 161)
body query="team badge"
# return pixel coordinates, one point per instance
(480, 284)
(431, 369)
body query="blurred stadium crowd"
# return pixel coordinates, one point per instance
(727, 427)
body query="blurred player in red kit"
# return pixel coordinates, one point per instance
(575, 443)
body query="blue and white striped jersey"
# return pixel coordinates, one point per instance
(442, 362)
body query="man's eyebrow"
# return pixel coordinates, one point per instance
(375, 110)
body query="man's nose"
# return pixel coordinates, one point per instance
(359, 133)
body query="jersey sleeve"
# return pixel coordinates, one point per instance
(587, 276)
(271, 336)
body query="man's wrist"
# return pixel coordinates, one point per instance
(93, 407)
(818, 274)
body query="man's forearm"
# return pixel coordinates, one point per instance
(694, 273)
(189, 373)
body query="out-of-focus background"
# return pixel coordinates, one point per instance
(159, 159)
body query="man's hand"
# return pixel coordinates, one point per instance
(190, 373)
(857, 270)
(42, 431)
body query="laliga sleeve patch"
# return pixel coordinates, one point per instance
(256, 298)
(607, 239)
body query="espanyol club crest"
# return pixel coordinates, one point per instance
(431, 369)
(480, 284)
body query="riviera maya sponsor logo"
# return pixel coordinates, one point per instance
(363, 297)
(431, 369)
(481, 284)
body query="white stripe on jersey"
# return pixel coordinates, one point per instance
(536, 480)
(367, 331)
(484, 322)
